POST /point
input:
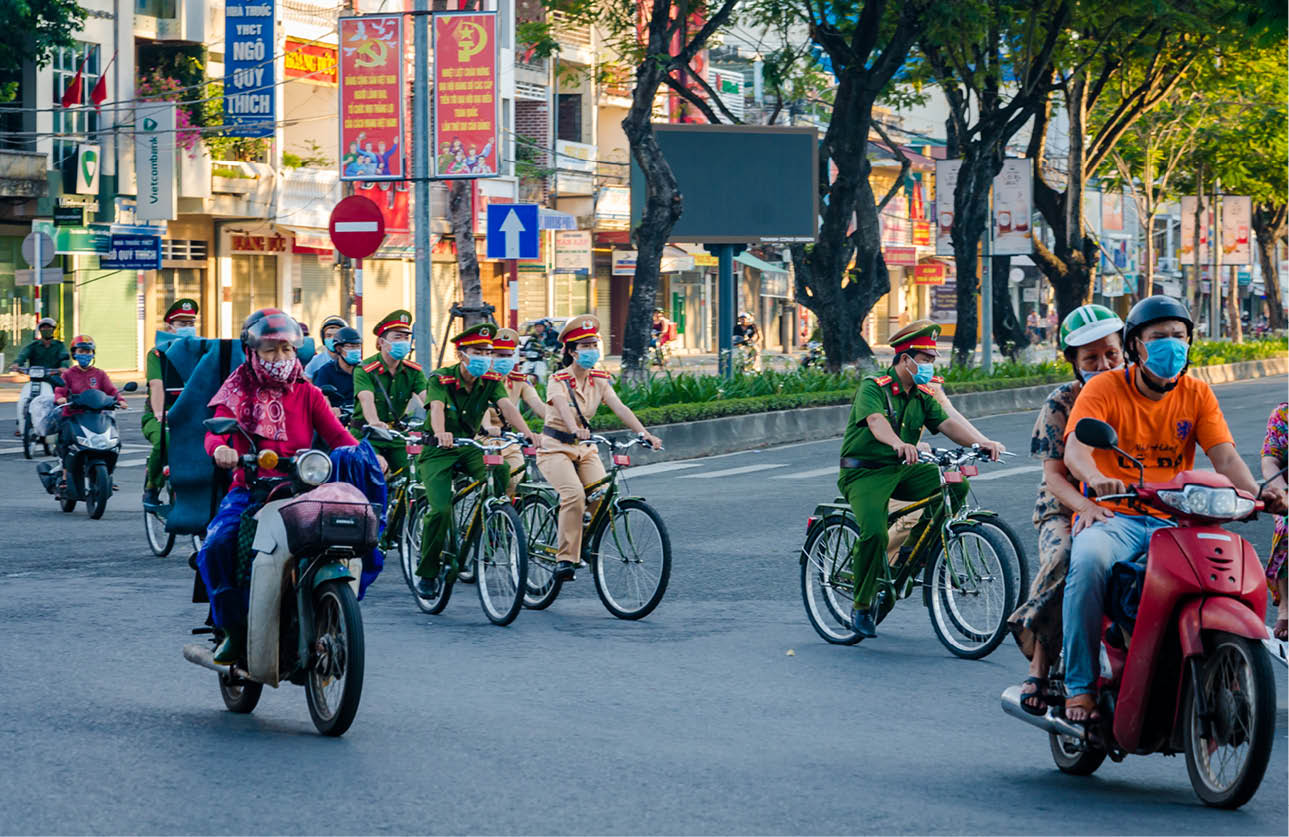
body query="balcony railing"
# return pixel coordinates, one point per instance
(568, 32)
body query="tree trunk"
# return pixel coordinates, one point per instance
(1009, 332)
(970, 222)
(461, 213)
(1193, 290)
(1268, 233)
(1146, 283)
(1235, 328)
(1068, 265)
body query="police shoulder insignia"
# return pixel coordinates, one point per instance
(926, 389)
(492, 376)
(447, 379)
(883, 380)
(600, 373)
(411, 365)
(373, 366)
(937, 379)
(517, 376)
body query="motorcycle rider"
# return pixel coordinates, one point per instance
(545, 333)
(879, 462)
(163, 385)
(748, 336)
(43, 351)
(518, 389)
(1160, 415)
(339, 372)
(457, 397)
(272, 401)
(77, 379)
(328, 333)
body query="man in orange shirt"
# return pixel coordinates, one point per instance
(1160, 415)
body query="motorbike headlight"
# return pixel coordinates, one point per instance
(83, 441)
(1206, 501)
(313, 467)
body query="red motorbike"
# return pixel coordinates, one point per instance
(1193, 676)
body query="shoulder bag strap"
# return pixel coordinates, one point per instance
(573, 398)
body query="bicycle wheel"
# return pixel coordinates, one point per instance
(972, 591)
(1019, 561)
(827, 585)
(500, 558)
(409, 555)
(159, 540)
(461, 514)
(539, 516)
(632, 559)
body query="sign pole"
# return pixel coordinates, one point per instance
(39, 265)
(987, 298)
(513, 268)
(725, 302)
(358, 295)
(421, 171)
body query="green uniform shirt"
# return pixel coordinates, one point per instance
(463, 411)
(37, 353)
(151, 372)
(909, 412)
(400, 386)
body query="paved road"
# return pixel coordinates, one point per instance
(697, 720)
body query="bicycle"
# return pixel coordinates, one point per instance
(493, 542)
(972, 566)
(631, 568)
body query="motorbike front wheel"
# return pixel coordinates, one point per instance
(240, 696)
(28, 438)
(335, 683)
(100, 488)
(1227, 748)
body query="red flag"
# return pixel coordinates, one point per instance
(72, 95)
(99, 93)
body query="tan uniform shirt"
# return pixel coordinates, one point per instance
(588, 398)
(514, 383)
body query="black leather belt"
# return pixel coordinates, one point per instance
(559, 435)
(850, 462)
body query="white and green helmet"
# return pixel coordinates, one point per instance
(1087, 324)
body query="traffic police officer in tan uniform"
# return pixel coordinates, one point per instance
(574, 394)
(879, 457)
(518, 389)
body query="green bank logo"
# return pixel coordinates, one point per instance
(149, 124)
(89, 165)
(87, 168)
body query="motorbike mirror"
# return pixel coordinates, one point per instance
(130, 386)
(1096, 434)
(220, 426)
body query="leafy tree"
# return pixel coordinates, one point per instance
(36, 28)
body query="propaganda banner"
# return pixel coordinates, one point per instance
(1237, 218)
(371, 98)
(314, 62)
(1187, 243)
(466, 102)
(1013, 209)
(946, 181)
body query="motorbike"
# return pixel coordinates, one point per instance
(41, 382)
(304, 625)
(814, 356)
(91, 456)
(535, 361)
(1191, 674)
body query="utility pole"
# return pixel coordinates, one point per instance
(1215, 282)
(421, 173)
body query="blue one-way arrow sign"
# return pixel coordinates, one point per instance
(512, 231)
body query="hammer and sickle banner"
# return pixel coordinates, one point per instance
(371, 98)
(466, 105)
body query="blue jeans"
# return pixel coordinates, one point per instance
(217, 562)
(1094, 551)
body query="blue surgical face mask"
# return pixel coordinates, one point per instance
(186, 331)
(330, 343)
(503, 365)
(400, 349)
(1087, 376)
(478, 365)
(587, 358)
(353, 356)
(84, 360)
(1166, 357)
(925, 372)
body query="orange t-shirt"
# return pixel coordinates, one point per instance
(1161, 434)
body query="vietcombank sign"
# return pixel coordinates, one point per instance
(154, 160)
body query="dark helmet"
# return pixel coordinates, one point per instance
(333, 320)
(1152, 309)
(347, 335)
(270, 324)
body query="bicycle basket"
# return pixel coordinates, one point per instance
(332, 515)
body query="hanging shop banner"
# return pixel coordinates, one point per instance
(1013, 197)
(1237, 217)
(310, 61)
(624, 262)
(572, 251)
(466, 103)
(921, 234)
(371, 97)
(1188, 230)
(898, 256)
(154, 160)
(929, 273)
(133, 252)
(946, 181)
(249, 90)
(944, 303)
(1112, 214)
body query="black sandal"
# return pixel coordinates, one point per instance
(1039, 692)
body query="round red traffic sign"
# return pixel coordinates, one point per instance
(357, 227)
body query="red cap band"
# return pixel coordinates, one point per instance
(925, 342)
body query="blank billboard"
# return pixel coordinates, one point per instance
(740, 183)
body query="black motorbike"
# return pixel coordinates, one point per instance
(90, 456)
(814, 356)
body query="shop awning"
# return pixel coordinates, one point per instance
(763, 266)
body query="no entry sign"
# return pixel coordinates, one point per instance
(357, 227)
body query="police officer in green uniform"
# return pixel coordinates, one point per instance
(879, 458)
(164, 386)
(386, 383)
(457, 398)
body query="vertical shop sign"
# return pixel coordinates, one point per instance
(371, 98)
(249, 90)
(946, 181)
(1237, 218)
(1013, 209)
(154, 160)
(466, 103)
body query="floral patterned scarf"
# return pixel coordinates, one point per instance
(255, 398)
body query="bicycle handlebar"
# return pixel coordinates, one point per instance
(950, 457)
(603, 440)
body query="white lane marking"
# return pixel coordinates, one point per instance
(124, 449)
(658, 468)
(1006, 472)
(729, 472)
(129, 463)
(802, 475)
